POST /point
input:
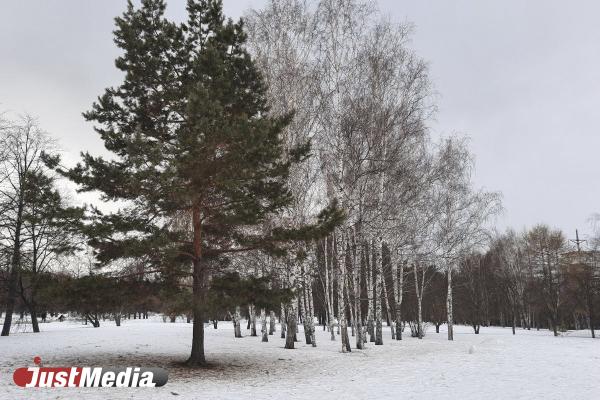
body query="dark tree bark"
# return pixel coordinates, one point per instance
(13, 276)
(292, 326)
(34, 319)
(199, 290)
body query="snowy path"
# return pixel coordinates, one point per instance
(530, 365)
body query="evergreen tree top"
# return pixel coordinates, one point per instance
(190, 129)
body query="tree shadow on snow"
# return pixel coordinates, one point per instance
(221, 367)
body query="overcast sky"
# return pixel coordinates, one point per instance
(520, 78)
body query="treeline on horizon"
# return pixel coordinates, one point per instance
(506, 286)
(279, 167)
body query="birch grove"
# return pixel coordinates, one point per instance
(363, 98)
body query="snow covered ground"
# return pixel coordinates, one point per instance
(492, 365)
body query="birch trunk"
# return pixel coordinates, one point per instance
(419, 292)
(272, 323)
(252, 313)
(237, 322)
(328, 290)
(449, 305)
(341, 276)
(263, 327)
(311, 315)
(282, 320)
(350, 307)
(377, 261)
(370, 311)
(398, 277)
(303, 310)
(358, 266)
(387, 305)
(292, 324)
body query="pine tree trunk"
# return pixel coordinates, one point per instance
(199, 290)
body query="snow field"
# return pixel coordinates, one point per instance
(492, 365)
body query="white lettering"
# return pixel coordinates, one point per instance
(90, 377)
(61, 378)
(147, 379)
(34, 378)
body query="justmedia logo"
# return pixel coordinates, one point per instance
(89, 376)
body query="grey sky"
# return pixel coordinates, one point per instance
(521, 78)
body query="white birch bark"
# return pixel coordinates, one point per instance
(341, 275)
(349, 301)
(237, 322)
(387, 303)
(398, 283)
(263, 322)
(311, 315)
(357, 267)
(449, 304)
(272, 323)
(252, 315)
(371, 306)
(282, 321)
(329, 289)
(304, 308)
(378, 291)
(419, 293)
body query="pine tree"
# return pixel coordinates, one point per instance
(192, 138)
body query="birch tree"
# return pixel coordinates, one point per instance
(22, 143)
(461, 212)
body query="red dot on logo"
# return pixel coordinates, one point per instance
(37, 360)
